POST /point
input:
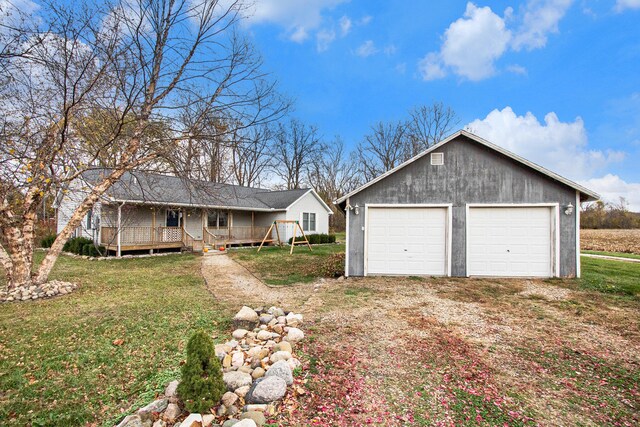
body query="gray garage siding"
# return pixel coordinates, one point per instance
(472, 173)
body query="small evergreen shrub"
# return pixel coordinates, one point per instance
(76, 244)
(201, 386)
(90, 249)
(316, 239)
(48, 240)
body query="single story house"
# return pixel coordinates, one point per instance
(150, 211)
(465, 207)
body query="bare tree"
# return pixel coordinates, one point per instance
(429, 124)
(251, 155)
(140, 61)
(392, 143)
(333, 174)
(384, 148)
(296, 146)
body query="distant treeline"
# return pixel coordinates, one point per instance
(608, 215)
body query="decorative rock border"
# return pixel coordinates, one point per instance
(110, 258)
(257, 365)
(46, 290)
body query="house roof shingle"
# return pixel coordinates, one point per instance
(154, 188)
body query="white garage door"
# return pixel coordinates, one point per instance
(512, 242)
(407, 241)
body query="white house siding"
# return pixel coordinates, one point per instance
(308, 203)
(241, 219)
(132, 216)
(68, 204)
(193, 222)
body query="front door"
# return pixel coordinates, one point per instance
(174, 218)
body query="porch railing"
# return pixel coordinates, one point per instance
(131, 236)
(238, 233)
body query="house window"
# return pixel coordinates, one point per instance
(174, 218)
(89, 215)
(218, 219)
(309, 221)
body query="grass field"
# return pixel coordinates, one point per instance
(615, 277)
(274, 266)
(616, 254)
(58, 366)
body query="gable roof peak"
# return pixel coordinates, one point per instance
(477, 139)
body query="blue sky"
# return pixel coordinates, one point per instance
(557, 81)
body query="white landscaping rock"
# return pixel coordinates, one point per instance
(131, 421)
(193, 420)
(294, 319)
(238, 334)
(280, 355)
(170, 391)
(282, 370)
(172, 412)
(207, 420)
(246, 318)
(237, 359)
(268, 390)
(234, 380)
(294, 335)
(264, 335)
(229, 399)
(246, 423)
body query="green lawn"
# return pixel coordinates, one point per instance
(616, 254)
(276, 267)
(617, 277)
(58, 365)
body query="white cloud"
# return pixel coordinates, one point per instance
(345, 25)
(365, 20)
(12, 11)
(324, 38)
(401, 68)
(517, 69)
(298, 18)
(472, 44)
(431, 67)
(559, 146)
(627, 4)
(390, 49)
(540, 19)
(366, 49)
(612, 187)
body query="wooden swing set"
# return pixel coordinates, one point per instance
(294, 242)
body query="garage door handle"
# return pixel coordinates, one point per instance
(405, 250)
(508, 250)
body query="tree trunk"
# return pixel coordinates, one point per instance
(76, 219)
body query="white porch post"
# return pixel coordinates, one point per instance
(119, 250)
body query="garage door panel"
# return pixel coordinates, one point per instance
(510, 241)
(406, 241)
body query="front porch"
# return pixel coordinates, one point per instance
(157, 238)
(137, 227)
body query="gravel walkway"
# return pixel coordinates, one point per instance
(232, 283)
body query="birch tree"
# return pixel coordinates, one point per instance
(140, 61)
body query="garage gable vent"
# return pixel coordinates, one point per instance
(437, 159)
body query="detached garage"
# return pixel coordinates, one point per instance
(465, 207)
